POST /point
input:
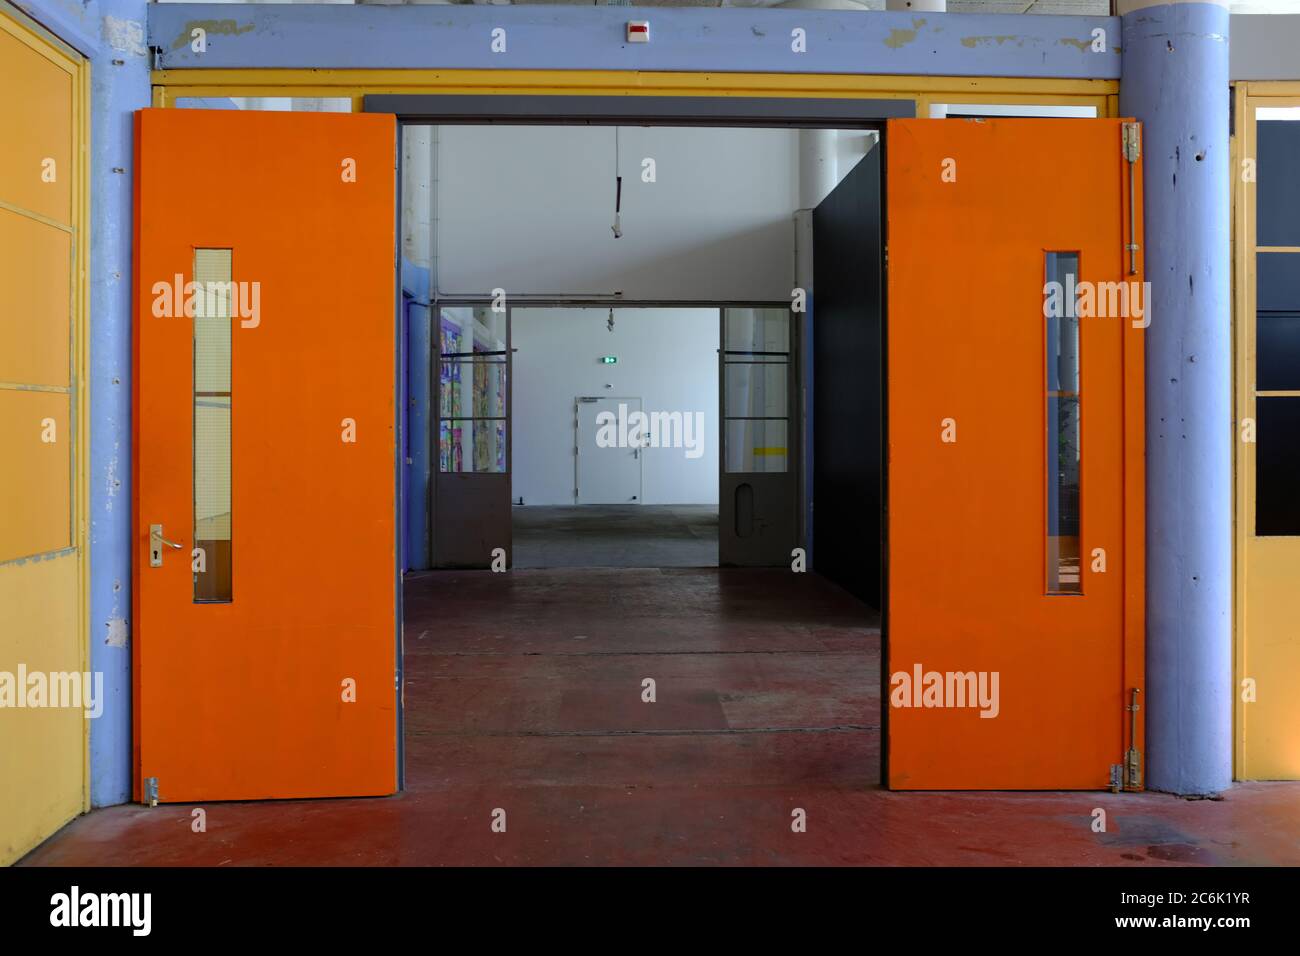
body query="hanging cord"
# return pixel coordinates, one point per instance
(618, 192)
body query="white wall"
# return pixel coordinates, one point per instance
(529, 208)
(666, 357)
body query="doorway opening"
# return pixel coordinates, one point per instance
(611, 330)
(638, 386)
(616, 447)
(983, 366)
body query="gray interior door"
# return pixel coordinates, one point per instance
(471, 492)
(758, 487)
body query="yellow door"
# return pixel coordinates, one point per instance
(42, 650)
(1268, 443)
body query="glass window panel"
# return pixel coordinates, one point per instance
(1064, 570)
(1278, 351)
(475, 388)
(1277, 188)
(212, 410)
(472, 445)
(757, 389)
(757, 330)
(756, 445)
(1277, 465)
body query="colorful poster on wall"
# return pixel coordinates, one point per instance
(449, 400)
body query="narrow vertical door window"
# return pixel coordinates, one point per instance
(1064, 566)
(211, 559)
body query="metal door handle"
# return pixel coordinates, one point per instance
(155, 540)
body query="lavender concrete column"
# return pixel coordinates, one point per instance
(1175, 80)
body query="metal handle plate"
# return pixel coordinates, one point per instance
(156, 541)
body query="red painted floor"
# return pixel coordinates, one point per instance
(524, 693)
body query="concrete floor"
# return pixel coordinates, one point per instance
(524, 693)
(616, 536)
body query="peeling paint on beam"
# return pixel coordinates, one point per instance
(211, 28)
(726, 40)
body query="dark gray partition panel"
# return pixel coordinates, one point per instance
(848, 382)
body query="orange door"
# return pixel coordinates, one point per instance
(1015, 444)
(265, 633)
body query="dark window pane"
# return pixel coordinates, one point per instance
(1277, 466)
(1278, 353)
(1277, 278)
(1278, 189)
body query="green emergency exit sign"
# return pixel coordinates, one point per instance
(609, 360)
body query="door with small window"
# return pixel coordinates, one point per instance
(265, 623)
(758, 481)
(1015, 443)
(471, 493)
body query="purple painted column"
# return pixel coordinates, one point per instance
(1175, 80)
(111, 34)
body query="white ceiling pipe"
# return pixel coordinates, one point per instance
(818, 165)
(918, 6)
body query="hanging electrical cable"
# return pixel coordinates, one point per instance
(618, 191)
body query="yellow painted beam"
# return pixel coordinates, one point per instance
(325, 83)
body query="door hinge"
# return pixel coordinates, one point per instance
(1131, 145)
(1133, 758)
(1132, 140)
(151, 791)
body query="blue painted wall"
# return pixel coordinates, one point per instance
(418, 414)
(111, 33)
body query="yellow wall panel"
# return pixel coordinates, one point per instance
(36, 103)
(41, 764)
(35, 301)
(1271, 658)
(36, 480)
(44, 88)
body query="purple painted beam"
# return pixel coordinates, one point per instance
(593, 38)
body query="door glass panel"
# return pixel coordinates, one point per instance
(212, 401)
(756, 389)
(757, 444)
(1277, 465)
(473, 397)
(758, 330)
(1064, 575)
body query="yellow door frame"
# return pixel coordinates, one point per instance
(1247, 98)
(170, 85)
(31, 34)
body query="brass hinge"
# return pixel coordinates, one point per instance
(1131, 145)
(1133, 758)
(1132, 139)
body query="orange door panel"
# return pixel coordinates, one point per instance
(265, 644)
(1015, 493)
